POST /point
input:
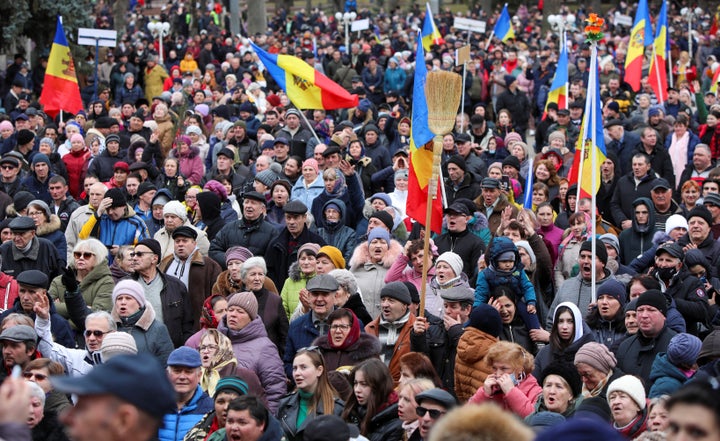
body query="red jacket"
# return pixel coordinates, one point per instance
(76, 163)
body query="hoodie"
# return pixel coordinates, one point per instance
(636, 240)
(338, 234)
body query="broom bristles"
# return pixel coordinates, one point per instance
(442, 91)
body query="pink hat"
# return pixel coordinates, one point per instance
(311, 162)
(77, 137)
(6, 125)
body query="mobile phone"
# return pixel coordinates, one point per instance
(505, 182)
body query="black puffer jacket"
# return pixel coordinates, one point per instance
(440, 345)
(254, 235)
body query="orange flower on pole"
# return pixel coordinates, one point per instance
(593, 30)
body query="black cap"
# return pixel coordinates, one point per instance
(613, 122)
(459, 208)
(22, 224)
(185, 231)
(254, 195)
(654, 298)
(565, 112)
(437, 395)
(34, 278)
(490, 183)
(512, 161)
(462, 137)
(154, 246)
(295, 207)
(384, 217)
(117, 196)
(661, 183)
(330, 151)
(226, 152)
(672, 249)
(145, 187)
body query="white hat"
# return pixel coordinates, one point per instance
(453, 260)
(630, 385)
(675, 221)
(176, 208)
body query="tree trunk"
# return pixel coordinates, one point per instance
(256, 17)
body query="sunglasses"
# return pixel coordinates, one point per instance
(38, 377)
(434, 413)
(139, 253)
(84, 254)
(96, 333)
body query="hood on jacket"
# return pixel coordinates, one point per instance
(209, 204)
(162, 192)
(51, 226)
(572, 190)
(577, 318)
(500, 245)
(695, 257)
(341, 206)
(650, 227)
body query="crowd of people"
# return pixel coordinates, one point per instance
(191, 257)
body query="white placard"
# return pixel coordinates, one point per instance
(468, 24)
(360, 25)
(623, 20)
(90, 37)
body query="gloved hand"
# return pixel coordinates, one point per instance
(69, 280)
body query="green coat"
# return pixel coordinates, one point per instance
(290, 293)
(96, 289)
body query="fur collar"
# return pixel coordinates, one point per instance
(366, 347)
(49, 227)
(144, 322)
(361, 255)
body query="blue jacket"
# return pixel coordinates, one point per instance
(176, 425)
(491, 277)
(127, 231)
(666, 378)
(38, 189)
(301, 334)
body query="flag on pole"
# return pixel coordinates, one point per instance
(589, 143)
(657, 77)
(304, 86)
(715, 79)
(60, 89)
(640, 37)
(529, 187)
(503, 27)
(421, 153)
(429, 32)
(558, 89)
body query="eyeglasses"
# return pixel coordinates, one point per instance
(8, 167)
(84, 254)
(38, 377)
(208, 348)
(139, 253)
(190, 197)
(34, 213)
(434, 413)
(96, 333)
(340, 327)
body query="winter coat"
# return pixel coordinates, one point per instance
(295, 282)
(177, 310)
(608, 332)
(103, 165)
(636, 354)
(191, 164)
(577, 291)
(8, 291)
(129, 230)
(154, 79)
(61, 331)
(150, 334)
(517, 332)
(96, 289)
(352, 197)
(76, 163)
(567, 261)
(356, 305)
(471, 369)
(49, 429)
(549, 353)
(273, 432)
(666, 378)
(401, 347)
(440, 345)
(636, 240)
(466, 245)
(254, 350)
(39, 189)
(687, 292)
(338, 234)
(367, 347)
(491, 277)
(301, 334)
(51, 230)
(371, 276)
(468, 188)
(385, 425)
(253, 235)
(279, 256)
(520, 400)
(165, 133)
(627, 192)
(710, 249)
(167, 244)
(42, 256)
(289, 409)
(306, 195)
(176, 425)
(203, 273)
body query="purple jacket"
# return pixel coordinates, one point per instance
(254, 350)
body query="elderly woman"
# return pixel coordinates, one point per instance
(230, 281)
(135, 315)
(561, 388)
(39, 371)
(628, 406)
(89, 273)
(43, 424)
(310, 185)
(48, 226)
(191, 164)
(347, 295)
(448, 273)
(213, 311)
(345, 345)
(596, 366)
(253, 349)
(218, 361)
(298, 275)
(370, 263)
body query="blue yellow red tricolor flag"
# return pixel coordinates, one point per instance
(60, 88)
(640, 37)
(657, 76)
(589, 142)
(305, 87)
(429, 32)
(503, 27)
(558, 89)
(421, 153)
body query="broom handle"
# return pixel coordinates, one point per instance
(432, 194)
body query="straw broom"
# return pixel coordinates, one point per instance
(442, 91)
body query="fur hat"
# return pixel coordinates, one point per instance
(630, 385)
(245, 300)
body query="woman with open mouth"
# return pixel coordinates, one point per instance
(561, 387)
(628, 406)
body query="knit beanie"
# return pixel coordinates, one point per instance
(267, 177)
(384, 217)
(556, 135)
(654, 298)
(77, 138)
(512, 136)
(600, 251)
(117, 196)
(401, 173)
(631, 305)
(154, 246)
(459, 161)
(507, 256)
(453, 260)
(526, 246)
(176, 208)
(117, 343)
(701, 212)
(675, 221)
(612, 240)
(683, 349)
(397, 291)
(6, 125)
(245, 300)
(311, 162)
(565, 371)
(237, 253)
(614, 289)
(379, 233)
(596, 355)
(311, 248)
(130, 288)
(231, 384)
(632, 386)
(486, 319)
(383, 197)
(334, 254)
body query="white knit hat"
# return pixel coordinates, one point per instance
(453, 260)
(176, 208)
(630, 385)
(526, 245)
(675, 221)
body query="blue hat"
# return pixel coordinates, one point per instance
(121, 377)
(379, 233)
(383, 197)
(486, 319)
(185, 356)
(581, 429)
(40, 157)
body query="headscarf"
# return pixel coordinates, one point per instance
(207, 315)
(224, 357)
(352, 336)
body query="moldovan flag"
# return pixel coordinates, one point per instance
(558, 88)
(60, 89)
(715, 79)
(503, 27)
(589, 143)
(421, 153)
(305, 87)
(429, 32)
(640, 37)
(657, 77)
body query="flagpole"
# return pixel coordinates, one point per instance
(593, 156)
(670, 76)
(567, 82)
(492, 34)
(309, 125)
